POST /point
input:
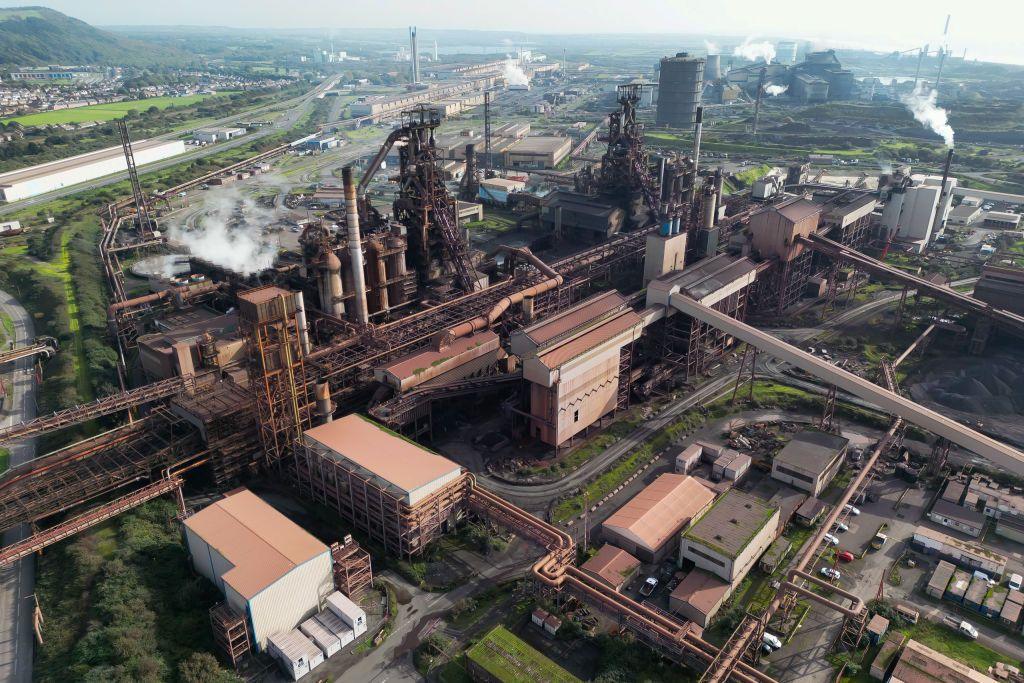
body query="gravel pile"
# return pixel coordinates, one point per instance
(983, 386)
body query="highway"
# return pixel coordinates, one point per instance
(294, 110)
(17, 582)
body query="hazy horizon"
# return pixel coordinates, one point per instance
(988, 29)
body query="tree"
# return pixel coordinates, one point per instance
(203, 667)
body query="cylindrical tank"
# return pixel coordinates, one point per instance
(679, 89)
(324, 406)
(335, 290)
(713, 68)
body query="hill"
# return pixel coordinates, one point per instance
(31, 36)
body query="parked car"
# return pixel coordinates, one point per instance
(840, 527)
(831, 540)
(830, 573)
(968, 630)
(845, 556)
(1015, 581)
(771, 640)
(852, 510)
(649, 585)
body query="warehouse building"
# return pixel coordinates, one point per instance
(729, 538)
(962, 553)
(611, 566)
(648, 526)
(399, 493)
(573, 362)
(538, 152)
(267, 567)
(1002, 287)
(1002, 219)
(219, 134)
(810, 460)
(578, 217)
(699, 596)
(54, 175)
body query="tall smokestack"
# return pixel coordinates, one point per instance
(698, 125)
(415, 55)
(939, 211)
(435, 52)
(757, 103)
(355, 247)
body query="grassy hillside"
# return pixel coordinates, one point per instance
(38, 36)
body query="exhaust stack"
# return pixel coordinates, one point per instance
(699, 125)
(355, 247)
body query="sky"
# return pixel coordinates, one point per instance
(988, 29)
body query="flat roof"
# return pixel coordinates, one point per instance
(23, 174)
(796, 209)
(509, 659)
(419, 361)
(811, 450)
(539, 144)
(261, 544)
(402, 463)
(921, 664)
(731, 523)
(576, 347)
(612, 564)
(703, 591)
(661, 509)
(949, 510)
(709, 275)
(552, 327)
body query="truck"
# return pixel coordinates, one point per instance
(964, 628)
(879, 540)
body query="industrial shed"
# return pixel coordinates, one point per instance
(730, 537)
(810, 460)
(611, 566)
(648, 525)
(399, 493)
(269, 569)
(699, 596)
(940, 579)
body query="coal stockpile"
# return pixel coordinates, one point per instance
(984, 386)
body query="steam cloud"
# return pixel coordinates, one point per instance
(232, 233)
(930, 115)
(755, 51)
(514, 74)
(711, 48)
(775, 90)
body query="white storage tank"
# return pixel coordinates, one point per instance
(351, 613)
(296, 653)
(324, 639)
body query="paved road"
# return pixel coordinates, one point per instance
(18, 581)
(290, 117)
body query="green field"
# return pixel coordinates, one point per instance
(105, 112)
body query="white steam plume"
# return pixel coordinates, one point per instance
(233, 232)
(755, 51)
(711, 48)
(930, 115)
(775, 90)
(514, 74)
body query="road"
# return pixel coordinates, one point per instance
(287, 120)
(18, 581)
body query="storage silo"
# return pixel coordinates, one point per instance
(713, 69)
(679, 87)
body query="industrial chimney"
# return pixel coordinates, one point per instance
(355, 247)
(415, 55)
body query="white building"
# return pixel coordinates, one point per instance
(297, 654)
(54, 175)
(946, 200)
(269, 569)
(909, 215)
(211, 135)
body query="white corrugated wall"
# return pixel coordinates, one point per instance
(291, 599)
(416, 495)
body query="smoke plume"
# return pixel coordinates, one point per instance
(755, 51)
(233, 232)
(711, 48)
(928, 114)
(514, 74)
(775, 90)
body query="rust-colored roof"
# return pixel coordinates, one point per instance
(363, 442)
(590, 309)
(421, 360)
(575, 347)
(612, 565)
(702, 590)
(798, 209)
(661, 509)
(263, 294)
(921, 664)
(262, 544)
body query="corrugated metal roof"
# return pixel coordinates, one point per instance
(708, 276)
(567, 351)
(921, 664)
(404, 464)
(294, 645)
(611, 564)
(661, 509)
(421, 360)
(797, 209)
(578, 316)
(703, 591)
(262, 544)
(811, 450)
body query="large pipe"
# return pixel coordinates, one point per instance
(698, 126)
(186, 292)
(355, 248)
(300, 322)
(483, 322)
